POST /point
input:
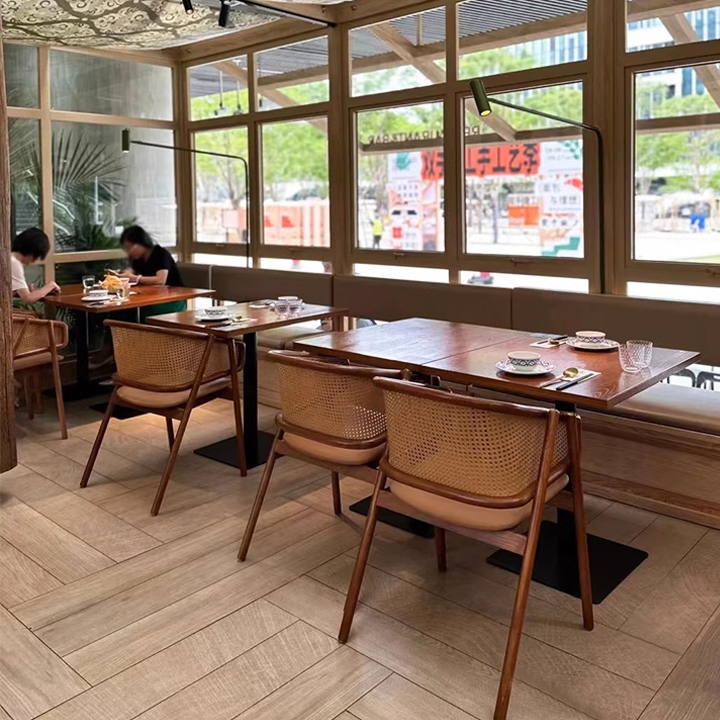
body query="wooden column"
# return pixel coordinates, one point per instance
(8, 456)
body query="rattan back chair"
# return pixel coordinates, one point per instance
(36, 346)
(169, 372)
(478, 468)
(331, 415)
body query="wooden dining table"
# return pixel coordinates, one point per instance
(257, 444)
(71, 298)
(467, 354)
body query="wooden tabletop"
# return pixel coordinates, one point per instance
(266, 319)
(142, 296)
(467, 354)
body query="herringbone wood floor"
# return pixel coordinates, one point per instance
(110, 614)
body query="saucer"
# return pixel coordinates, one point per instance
(202, 316)
(96, 298)
(606, 346)
(542, 368)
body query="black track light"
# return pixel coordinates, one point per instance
(189, 9)
(224, 13)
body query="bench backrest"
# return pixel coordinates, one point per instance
(380, 299)
(195, 275)
(680, 325)
(242, 284)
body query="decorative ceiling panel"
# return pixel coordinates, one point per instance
(125, 24)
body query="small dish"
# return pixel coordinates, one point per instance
(96, 297)
(542, 368)
(203, 316)
(578, 344)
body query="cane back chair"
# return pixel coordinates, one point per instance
(331, 416)
(36, 344)
(168, 373)
(478, 468)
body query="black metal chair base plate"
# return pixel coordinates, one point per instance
(556, 562)
(390, 517)
(226, 451)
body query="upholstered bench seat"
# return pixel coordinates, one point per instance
(676, 406)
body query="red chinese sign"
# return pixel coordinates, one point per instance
(487, 160)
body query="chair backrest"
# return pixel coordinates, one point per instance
(334, 401)
(196, 275)
(32, 335)
(478, 451)
(381, 299)
(165, 360)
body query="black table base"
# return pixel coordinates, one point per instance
(556, 560)
(226, 451)
(390, 517)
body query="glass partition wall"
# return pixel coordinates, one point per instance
(69, 175)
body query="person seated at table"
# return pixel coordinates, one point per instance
(30, 247)
(151, 264)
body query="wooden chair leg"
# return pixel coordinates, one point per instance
(337, 499)
(361, 561)
(170, 465)
(170, 432)
(441, 549)
(237, 407)
(259, 499)
(574, 437)
(39, 402)
(98, 440)
(60, 401)
(29, 406)
(516, 625)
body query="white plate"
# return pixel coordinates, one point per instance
(592, 347)
(96, 298)
(201, 316)
(543, 369)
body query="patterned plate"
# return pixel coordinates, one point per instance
(543, 368)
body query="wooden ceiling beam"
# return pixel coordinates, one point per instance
(228, 67)
(683, 32)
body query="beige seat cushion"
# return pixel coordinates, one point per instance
(150, 399)
(675, 405)
(330, 453)
(469, 516)
(32, 361)
(284, 337)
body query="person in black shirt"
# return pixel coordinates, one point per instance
(151, 264)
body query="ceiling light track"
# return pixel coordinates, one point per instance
(286, 13)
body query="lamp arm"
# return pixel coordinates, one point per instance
(246, 169)
(601, 171)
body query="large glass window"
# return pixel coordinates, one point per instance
(677, 23)
(512, 280)
(21, 75)
(293, 75)
(219, 89)
(401, 53)
(220, 187)
(87, 83)
(25, 180)
(677, 165)
(524, 176)
(550, 33)
(98, 189)
(296, 208)
(400, 178)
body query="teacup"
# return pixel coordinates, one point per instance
(523, 360)
(215, 311)
(97, 292)
(590, 337)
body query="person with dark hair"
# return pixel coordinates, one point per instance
(150, 264)
(30, 247)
